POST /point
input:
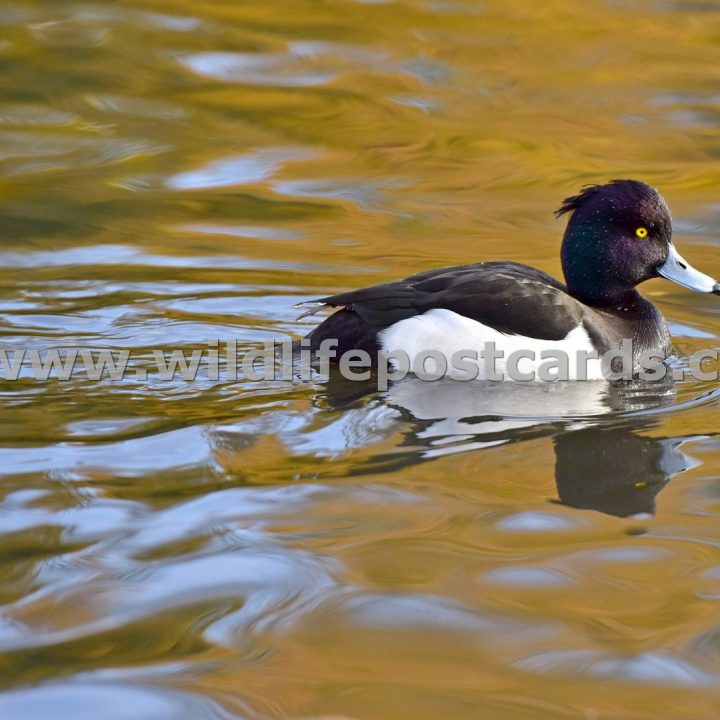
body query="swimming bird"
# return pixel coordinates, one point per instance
(618, 235)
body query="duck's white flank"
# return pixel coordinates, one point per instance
(450, 334)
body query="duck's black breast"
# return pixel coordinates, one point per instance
(509, 297)
(636, 319)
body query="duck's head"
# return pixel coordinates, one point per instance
(619, 235)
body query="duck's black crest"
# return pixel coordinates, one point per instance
(620, 189)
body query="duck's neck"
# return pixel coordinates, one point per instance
(607, 297)
(636, 319)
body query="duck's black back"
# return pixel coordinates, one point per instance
(511, 298)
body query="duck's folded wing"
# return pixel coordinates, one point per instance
(511, 298)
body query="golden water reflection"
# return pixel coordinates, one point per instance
(175, 172)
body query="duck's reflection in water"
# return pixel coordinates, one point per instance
(604, 459)
(615, 470)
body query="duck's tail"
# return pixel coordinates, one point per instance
(314, 307)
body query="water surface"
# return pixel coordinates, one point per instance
(175, 172)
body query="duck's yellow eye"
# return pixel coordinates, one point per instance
(641, 232)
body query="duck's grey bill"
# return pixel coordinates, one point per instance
(680, 271)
